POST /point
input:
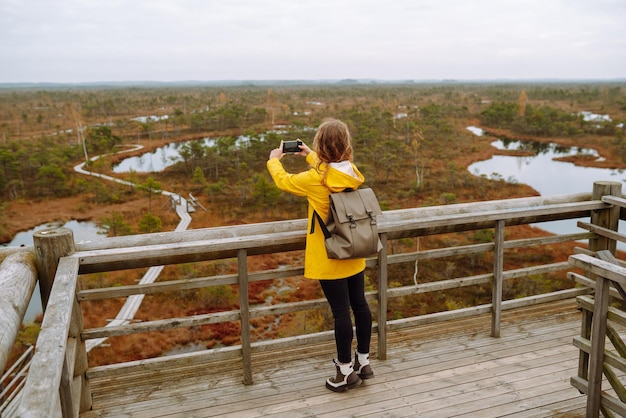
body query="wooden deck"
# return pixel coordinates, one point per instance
(451, 369)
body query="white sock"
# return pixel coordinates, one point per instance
(345, 369)
(363, 358)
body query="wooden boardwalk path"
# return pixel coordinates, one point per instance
(450, 369)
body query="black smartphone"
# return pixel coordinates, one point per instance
(289, 147)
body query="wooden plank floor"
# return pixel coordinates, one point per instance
(452, 369)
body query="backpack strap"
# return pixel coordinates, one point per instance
(316, 217)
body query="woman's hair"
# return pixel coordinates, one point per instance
(333, 142)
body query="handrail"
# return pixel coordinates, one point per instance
(594, 358)
(389, 216)
(49, 362)
(18, 277)
(208, 244)
(58, 380)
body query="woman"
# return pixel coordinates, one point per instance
(342, 281)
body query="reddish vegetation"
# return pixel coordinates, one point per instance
(25, 215)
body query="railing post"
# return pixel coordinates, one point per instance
(81, 364)
(382, 299)
(585, 332)
(607, 218)
(496, 292)
(598, 336)
(244, 310)
(50, 245)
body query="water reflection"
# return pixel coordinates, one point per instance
(159, 159)
(82, 231)
(541, 171)
(536, 147)
(170, 154)
(152, 118)
(546, 175)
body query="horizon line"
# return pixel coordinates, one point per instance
(304, 81)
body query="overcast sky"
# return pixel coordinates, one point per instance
(175, 40)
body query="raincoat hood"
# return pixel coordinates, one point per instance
(342, 175)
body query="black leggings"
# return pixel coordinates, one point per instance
(341, 295)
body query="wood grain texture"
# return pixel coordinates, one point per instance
(438, 370)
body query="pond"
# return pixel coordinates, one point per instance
(541, 171)
(544, 174)
(168, 155)
(157, 160)
(83, 231)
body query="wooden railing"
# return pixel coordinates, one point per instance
(58, 381)
(603, 318)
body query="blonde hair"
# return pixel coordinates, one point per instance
(332, 142)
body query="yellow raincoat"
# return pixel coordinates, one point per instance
(309, 183)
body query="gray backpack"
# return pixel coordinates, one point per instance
(350, 230)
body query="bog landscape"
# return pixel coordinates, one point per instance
(411, 141)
